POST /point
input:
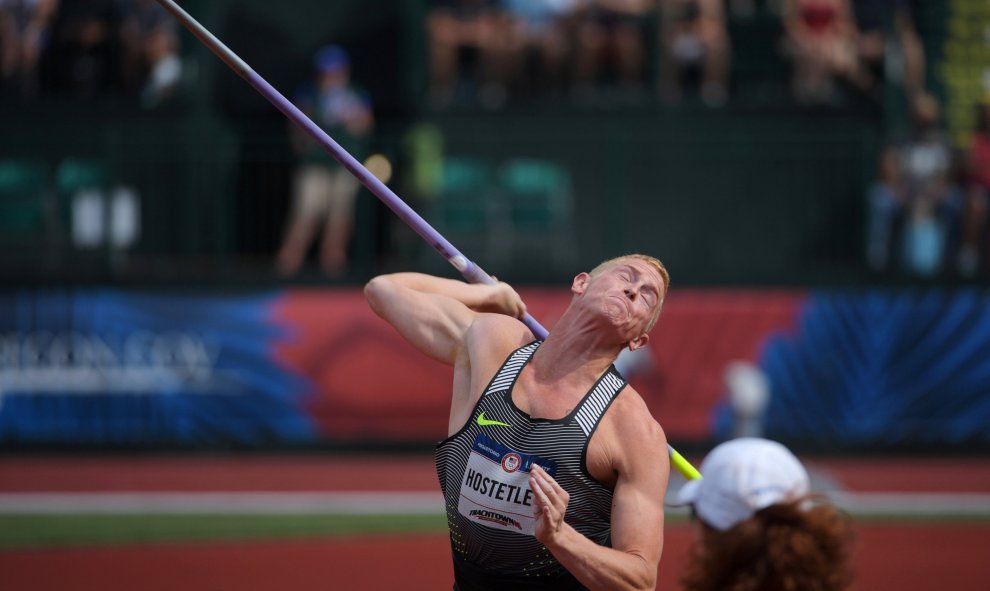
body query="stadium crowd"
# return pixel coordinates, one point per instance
(85, 49)
(492, 51)
(926, 209)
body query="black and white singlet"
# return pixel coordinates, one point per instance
(484, 476)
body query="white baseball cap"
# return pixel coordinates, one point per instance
(742, 476)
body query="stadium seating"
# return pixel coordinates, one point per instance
(539, 200)
(466, 209)
(24, 195)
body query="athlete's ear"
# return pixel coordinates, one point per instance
(639, 342)
(580, 283)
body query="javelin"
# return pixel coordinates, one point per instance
(470, 271)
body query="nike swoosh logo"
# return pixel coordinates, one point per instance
(484, 422)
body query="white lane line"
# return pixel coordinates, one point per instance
(922, 504)
(285, 503)
(898, 504)
(420, 503)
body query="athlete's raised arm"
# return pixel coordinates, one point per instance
(434, 313)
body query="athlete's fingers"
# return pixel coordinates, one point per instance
(553, 484)
(541, 489)
(539, 485)
(554, 490)
(543, 506)
(554, 505)
(547, 488)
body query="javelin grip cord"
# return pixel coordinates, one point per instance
(469, 270)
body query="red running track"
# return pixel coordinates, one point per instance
(921, 557)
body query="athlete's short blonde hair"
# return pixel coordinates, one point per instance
(655, 262)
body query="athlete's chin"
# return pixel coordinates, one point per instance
(616, 313)
(615, 316)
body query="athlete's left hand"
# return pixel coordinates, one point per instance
(549, 504)
(501, 298)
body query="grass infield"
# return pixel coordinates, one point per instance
(25, 531)
(46, 530)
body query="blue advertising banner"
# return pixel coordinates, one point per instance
(105, 367)
(909, 367)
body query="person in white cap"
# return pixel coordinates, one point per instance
(759, 526)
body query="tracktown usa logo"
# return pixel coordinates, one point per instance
(511, 462)
(494, 517)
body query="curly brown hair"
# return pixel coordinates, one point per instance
(804, 545)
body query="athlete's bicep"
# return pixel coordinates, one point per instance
(637, 503)
(435, 324)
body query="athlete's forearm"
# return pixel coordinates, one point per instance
(599, 567)
(470, 295)
(498, 298)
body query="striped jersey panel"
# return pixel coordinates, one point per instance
(511, 554)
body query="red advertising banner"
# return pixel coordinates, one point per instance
(368, 384)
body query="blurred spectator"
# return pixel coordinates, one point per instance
(25, 30)
(694, 41)
(821, 39)
(10, 42)
(924, 239)
(977, 183)
(611, 45)
(161, 53)
(888, 43)
(978, 154)
(759, 528)
(919, 198)
(886, 211)
(323, 190)
(468, 35)
(84, 61)
(140, 20)
(541, 32)
(749, 396)
(927, 153)
(88, 49)
(926, 162)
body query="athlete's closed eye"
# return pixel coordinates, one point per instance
(650, 297)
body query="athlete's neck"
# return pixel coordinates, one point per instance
(568, 358)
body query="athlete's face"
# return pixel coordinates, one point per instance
(628, 293)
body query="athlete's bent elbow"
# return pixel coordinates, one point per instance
(374, 291)
(650, 584)
(645, 576)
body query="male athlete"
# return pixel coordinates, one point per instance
(554, 471)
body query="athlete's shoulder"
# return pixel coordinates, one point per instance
(499, 330)
(491, 338)
(631, 417)
(629, 441)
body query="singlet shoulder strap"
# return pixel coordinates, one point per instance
(597, 401)
(510, 369)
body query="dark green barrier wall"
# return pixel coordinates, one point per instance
(736, 196)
